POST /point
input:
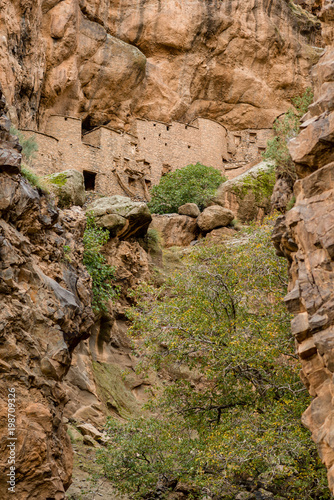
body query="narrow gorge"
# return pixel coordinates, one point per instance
(153, 158)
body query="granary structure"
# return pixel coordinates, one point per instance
(129, 163)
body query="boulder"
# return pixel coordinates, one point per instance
(248, 195)
(214, 216)
(89, 430)
(89, 441)
(221, 233)
(190, 209)
(121, 216)
(68, 186)
(176, 230)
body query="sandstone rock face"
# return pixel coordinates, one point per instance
(247, 195)
(45, 312)
(237, 62)
(121, 216)
(69, 187)
(102, 381)
(214, 216)
(10, 149)
(176, 230)
(305, 236)
(190, 209)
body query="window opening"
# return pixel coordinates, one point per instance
(89, 180)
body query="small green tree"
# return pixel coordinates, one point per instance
(102, 274)
(191, 184)
(286, 127)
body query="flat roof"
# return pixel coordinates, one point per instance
(39, 133)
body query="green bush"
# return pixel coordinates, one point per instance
(291, 203)
(286, 127)
(191, 184)
(102, 274)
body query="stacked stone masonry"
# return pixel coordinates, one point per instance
(116, 162)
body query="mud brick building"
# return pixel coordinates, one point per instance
(129, 163)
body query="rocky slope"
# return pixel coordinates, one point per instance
(305, 236)
(108, 61)
(45, 313)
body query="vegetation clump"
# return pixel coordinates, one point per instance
(230, 418)
(261, 185)
(286, 127)
(102, 274)
(29, 147)
(191, 184)
(58, 179)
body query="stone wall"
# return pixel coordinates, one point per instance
(244, 149)
(116, 162)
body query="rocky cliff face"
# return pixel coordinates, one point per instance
(108, 61)
(45, 313)
(305, 236)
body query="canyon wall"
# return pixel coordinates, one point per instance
(45, 313)
(109, 61)
(45, 296)
(305, 236)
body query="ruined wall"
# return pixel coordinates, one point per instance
(168, 147)
(130, 163)
(244, 149)
(48, 158)
(305, 236)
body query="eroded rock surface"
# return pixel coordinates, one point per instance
(102, 380)
(45, 312)
(213, 217)
(121, 216)
(175, 230)
(68, 186)
(305, 236)
(234, 61)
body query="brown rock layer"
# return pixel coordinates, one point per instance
(234, 61)
(45, 312)
(305, 236)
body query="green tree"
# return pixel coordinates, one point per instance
(191, 184)
(235, 407)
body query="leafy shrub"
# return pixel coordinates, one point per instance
(191, 184)
(34, 179)
(143, 451)
(102, 274)
(291, 203)
(29, 145)
(286, 127)
(223, 319)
